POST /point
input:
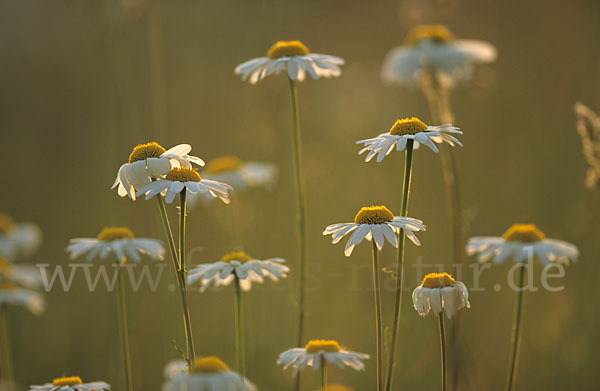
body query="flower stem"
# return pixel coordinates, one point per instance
(378, 316)
(181, 273)
(443, 350)
(400, 266)
(7, 367)
(123, 330)
(239, 329)
(516, 335)
(323, 374)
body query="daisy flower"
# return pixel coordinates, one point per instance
(440, 292)
(206, 374)
(294, 57)
(519, 242)
(71, 383)
(13, 294)
(433, 48)
(151, 161)
(118, 241)
(240, 174)
(179, 179)
(320, 352)
(18, 238)
(240, 264)
(405, 130)
(375, 223)
(22, 275)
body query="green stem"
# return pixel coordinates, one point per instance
(400, 266)
(167, 226)
(378, 316)
(239, 329)
(443, 350)
(323, 374)
(191, 355)
(7, 367)
(516, 334)
(123, 330)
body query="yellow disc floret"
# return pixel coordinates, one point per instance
(287, 49)
(523, 233)
(211, 364)
(5, 267)
(6, 223)
(67, 381)
(239, 256)
(146, 151)
(373, 215)
(182, 174)
(322, 345)
(438, 280)
(408, 126)
(223, 163)
(115, 233)
(7, 286)
(437, 33)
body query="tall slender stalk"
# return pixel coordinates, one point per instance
(7, 367)
(443, 351)
(378, 316)
(182, 279)
(516, 334)
(400, 265)
(123, 329)
(323, 374)
(240, 351)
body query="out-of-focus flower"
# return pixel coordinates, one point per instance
(23, 275)
(588, 127)
(440, 292)
(13, 294)
(519, 242)
(240, 174)
(434, 49)
(71, 383)
(206, 374)
(18, 238)
(293, 57)
(409, 129)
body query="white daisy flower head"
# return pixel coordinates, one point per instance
(240, 174)
(375, 223)
(118, 241)
(434, 49)
(151, 161)
(237, 264)
(23, 275)
(520, 242)
(71, 383)
(319, 352)
(440, 292)
(293, 57)
(206, 374)
(12, 294)
(179, 179)
(409, 130)
(18, 238)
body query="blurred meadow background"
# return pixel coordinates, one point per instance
(83, 82)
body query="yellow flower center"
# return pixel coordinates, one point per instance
(337, 387)
(5, 266)
(223, 163)
(115, 233)
(182, 174)
(210, 364)
(67, 381)
(373, 215)
(327, 345)
(437, 33)
(146, 151)
(408, 126)
(7, 286)
(438, 280)
(287, 49)
(239, 256)
(6, 223)
(523, 233)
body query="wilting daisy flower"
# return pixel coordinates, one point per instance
(180, 178)
(320, 352)
(408, 129)
(294, 57)
(239, 174)
(118, 241)
(440, 292)
(434, 49)
(206, 374)
(375, 222)
(12, 294)
(519, 242)
(71, 383)
(18, 238)
(150, 161)
(239, 264)
(22, 275)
